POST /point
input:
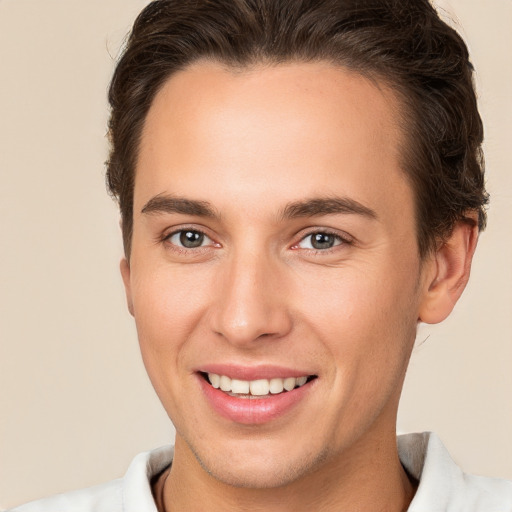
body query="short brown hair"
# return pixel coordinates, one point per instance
(403, 43)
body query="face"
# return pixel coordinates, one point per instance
(274, 275)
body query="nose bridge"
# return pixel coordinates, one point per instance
(251, 301)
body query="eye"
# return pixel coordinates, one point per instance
(320, 241)
(189, 239)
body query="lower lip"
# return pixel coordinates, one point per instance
(253, 411)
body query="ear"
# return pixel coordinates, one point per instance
(448, 273)
(125, 273)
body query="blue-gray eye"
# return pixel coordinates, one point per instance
(189, 239)
(319, 241)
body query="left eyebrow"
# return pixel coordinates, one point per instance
(326, 206)
(171, 204)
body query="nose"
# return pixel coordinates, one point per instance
(251, 302)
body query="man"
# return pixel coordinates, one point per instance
(300, 184)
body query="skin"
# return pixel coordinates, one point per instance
(255, 292)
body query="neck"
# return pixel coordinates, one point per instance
(367, 477)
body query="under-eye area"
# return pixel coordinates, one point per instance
(258, 387)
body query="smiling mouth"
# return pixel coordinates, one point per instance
(258, 388)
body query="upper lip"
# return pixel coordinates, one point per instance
(242, 372)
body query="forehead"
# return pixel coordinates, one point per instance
(299, 126)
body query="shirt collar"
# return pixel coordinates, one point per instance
(423, 456)
(136, 491)
(426, 459)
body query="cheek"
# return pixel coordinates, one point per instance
(167, 308)
(168, 303)
(366, 320)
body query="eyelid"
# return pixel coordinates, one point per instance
(345, 238)
(170, 232)
(177, 235)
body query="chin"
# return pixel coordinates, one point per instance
(256, 469)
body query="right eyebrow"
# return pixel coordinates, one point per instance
(171, 204)
(318, 206)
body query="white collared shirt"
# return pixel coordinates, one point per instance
(443, 487)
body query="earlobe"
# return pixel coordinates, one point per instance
(450, 268)
(125, 273)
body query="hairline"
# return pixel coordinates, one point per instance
(403, 120)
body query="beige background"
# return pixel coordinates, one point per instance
(75, 403)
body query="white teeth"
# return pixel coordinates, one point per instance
(301, 381)
(214, 380)
(289, 383)
(240, 387)
(259, 387)
(276, 386)
(225, 383)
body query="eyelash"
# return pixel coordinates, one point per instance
(166, 239)
(340, 240)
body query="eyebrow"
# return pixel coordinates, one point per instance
(172, 204)
(327, 206)
(307, 208)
